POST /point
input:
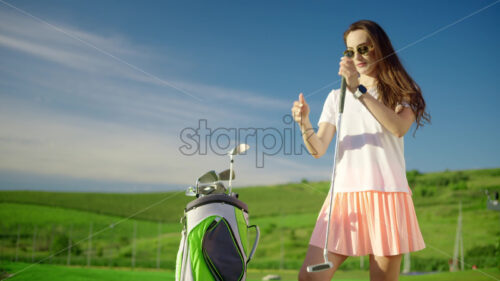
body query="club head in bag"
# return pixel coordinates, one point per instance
(213, 188)
(191, 191)
(224, 175)
(320, 266)
(219, 188)
(208, 177)
(239, 149)
(206, 189)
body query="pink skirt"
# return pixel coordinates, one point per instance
(369, 222)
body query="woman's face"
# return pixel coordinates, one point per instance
(365, 64)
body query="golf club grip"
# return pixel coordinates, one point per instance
(342, 95)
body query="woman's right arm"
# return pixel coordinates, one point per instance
(316, 143)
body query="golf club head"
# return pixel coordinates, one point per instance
(208, 177)
(220, 188)
(224, 175)
(320, 267)
(213, 188)
(206, 189)
(239, 149)
(191, 191)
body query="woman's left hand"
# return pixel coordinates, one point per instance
(348, 70)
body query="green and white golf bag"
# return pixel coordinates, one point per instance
(214, 244)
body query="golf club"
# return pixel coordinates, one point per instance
(235, 151)
(328, 264)
(224, 175)
(191, 191)
(208, 177)
(213, 188)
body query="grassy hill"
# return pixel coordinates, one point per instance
(60, 273)
(286, 214)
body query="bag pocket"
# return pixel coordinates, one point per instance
(221, 251)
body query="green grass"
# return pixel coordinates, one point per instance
(111, 245)
(264, 201)
(285, 213)
(64, 273)
(169, 206)
(59, 273)
(468, 275)
(164, 207)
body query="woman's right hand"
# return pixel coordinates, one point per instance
(300, 110)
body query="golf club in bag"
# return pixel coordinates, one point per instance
(328, 264)
(215, 242)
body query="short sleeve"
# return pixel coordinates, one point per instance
(329, 113)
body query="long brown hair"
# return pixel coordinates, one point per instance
(394, 84)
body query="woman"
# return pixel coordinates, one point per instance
(372, 212)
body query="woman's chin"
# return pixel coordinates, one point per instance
(365, 71)
(362, 71)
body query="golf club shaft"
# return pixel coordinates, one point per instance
(339, 123)
(230, 173)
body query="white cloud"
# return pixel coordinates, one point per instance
(96, 118)
(70, 59)
(24, 34)
(237, 97)
(48, 144)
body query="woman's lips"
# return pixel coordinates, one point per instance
(361, 64)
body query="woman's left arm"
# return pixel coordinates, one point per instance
(398, 122)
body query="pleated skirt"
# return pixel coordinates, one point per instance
(369, 222)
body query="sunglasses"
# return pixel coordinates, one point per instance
(362, 50)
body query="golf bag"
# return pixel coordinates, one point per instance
(214, 243)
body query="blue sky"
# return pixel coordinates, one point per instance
(94, 95)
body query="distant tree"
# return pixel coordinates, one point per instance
(411, 176)
(61, 242)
